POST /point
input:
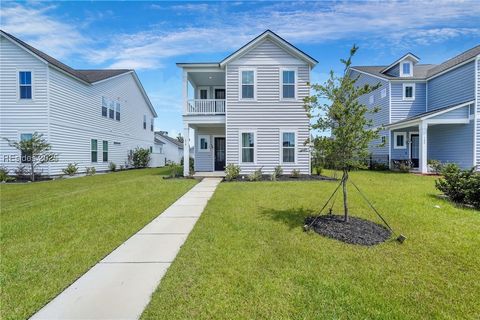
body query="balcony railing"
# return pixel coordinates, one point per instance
(205, 107)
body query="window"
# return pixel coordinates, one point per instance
(288, 84)
(406, 69)
(25, 82)
(409, 91)
(144, 122)
(371, 99)
(111, 109)
(384, 139)
(151, 149)
(26, 158)
(151, 124)
(117, 111)
(203, 143)
(105, 151)
(384, 93)
(400, 139)
(104, 107)
(248, 147)
(94, 150)
(203, 93)
(247, 84)
(288, 147)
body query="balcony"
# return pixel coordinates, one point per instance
(205, 107)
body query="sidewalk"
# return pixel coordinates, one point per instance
(120, 286)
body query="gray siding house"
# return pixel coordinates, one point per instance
(248, 108)
(427, 111)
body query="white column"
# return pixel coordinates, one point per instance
(186, 150)
(185, 91)
(423, 129)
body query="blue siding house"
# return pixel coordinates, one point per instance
(427, 111)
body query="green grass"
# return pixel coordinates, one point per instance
(248, 257)
(53, 232)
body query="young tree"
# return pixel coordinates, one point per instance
(345, 117)
(35, 150)
(180, 138)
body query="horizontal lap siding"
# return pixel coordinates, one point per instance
(402, 109)
(402, 154)
(204, 159)
(20, 116)
(268, 115)
(460, 113)
(478, 113)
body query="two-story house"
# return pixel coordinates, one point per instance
(90, 117)
(427, 111)
(248, 108)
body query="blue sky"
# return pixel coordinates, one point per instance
(151, 36)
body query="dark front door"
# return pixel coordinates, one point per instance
(414, 149)
(220, 105)
(219, 93)
(219, 154)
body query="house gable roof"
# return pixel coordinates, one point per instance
(409, 55)
(455, 61)
(169, 139)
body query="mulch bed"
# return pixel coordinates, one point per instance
(267, 177)
(355, 231)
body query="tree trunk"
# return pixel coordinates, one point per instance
(345, 195)
(32, 172)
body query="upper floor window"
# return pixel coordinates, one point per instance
(288, 147)
(144, 122)
(117, 111)
(203, 93)
(111, 110)
(151, 124)
(409, 91)
(247, 84)
(288, 84)
(104, 107)
(25, 82)
(406, 69)
(248, 147)
(383, 93)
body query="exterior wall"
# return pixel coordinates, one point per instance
(477, 115)
(170, 151)
(394, 71)
(268, 115)
(402, 109)
(459, 83)
(402, 154)
(204, 159)
(460, 113)
(20, 116)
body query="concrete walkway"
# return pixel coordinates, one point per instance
(120, 286)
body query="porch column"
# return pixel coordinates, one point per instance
(186, 150)
(185, 91)
(422, 131)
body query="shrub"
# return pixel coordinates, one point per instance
(277, 172)
(461, 186)
(4, 177)
(112, 166)
(191, 164)
(122, 168)
(175, 170)
(256, 175)
(71, 169)
(232, 172)
(21, 172)
(435, 165)
(295, 173)
(140, 157)
(90, 171)
(402, 165)
(378, 166)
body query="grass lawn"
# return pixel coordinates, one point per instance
(248, 257)
(53, 232)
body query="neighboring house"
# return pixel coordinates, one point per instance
(90, 117)
(170, 148)
(428, 112)
(248, 108)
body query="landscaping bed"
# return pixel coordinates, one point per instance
(267, 177)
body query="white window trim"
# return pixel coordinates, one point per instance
(295, 148)
(240, 70)
(383, 93)
(295, 84)
(240, 148)
(207, 138)
(395, 135)
(18, 85)
(410, 84)
(203, 88)
(401, 68)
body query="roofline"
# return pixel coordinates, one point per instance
(144, 93)
(369, 74)
(452, 67)
(198, 64)
(400, 59)
(260, 37)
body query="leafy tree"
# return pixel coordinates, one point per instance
(36, 151)
(180, 138)
(334, 106)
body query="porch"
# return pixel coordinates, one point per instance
(444, 134)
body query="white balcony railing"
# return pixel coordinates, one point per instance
(205, 106)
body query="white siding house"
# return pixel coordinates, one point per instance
(170, 149)
(83, 114)
(248, 109)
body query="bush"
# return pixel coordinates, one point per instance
(295, 173)
(71, 169)
(461, 186)
(378, 166)
(435, 165)
(191, 164)
(140, 157)
(232, 172)
(90, 171)
(402, 165)
(112, 166)
(21, 172)
(277, 172)
(256, 175)
(175, 170)
(4, 177)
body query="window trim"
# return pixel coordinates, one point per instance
(144, 122)
(199, 90)
(104, 151)
(295, 148)
(18, 85)
(207, 138)
(395, 135)
(91, 150)
(152, 122)
(401, 68)
(240, 147)
(409, 84)
(118, 109)
(295, 90)
(240, 70)
(383, 93)
(20, 139)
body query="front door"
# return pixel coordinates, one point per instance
(219, 153)
(414, 149)
(220, 105)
